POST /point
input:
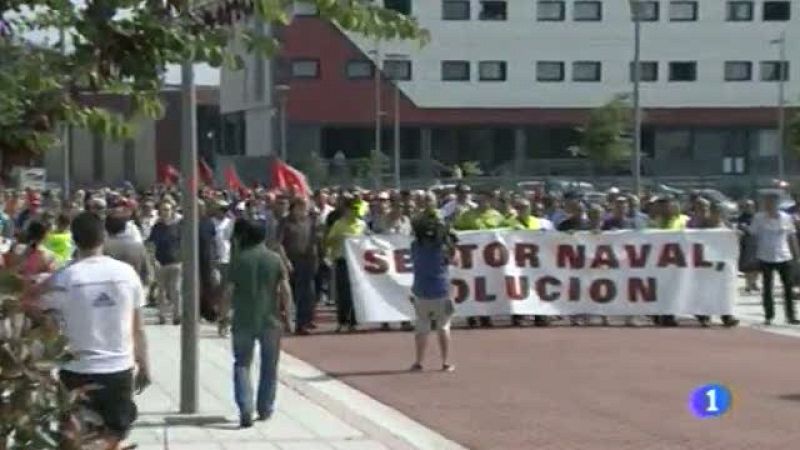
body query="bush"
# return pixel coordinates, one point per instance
(33, 403)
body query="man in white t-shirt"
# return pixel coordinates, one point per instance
(97, 300)
(776, 248)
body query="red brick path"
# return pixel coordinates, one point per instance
(580, 388)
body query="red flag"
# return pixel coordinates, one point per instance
(205, 173)
(288, 178)
(232, 179)
(168, 174)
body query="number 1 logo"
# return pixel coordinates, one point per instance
(710, 401)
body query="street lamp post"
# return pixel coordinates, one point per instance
(637, 107)
(283, 96)
(378, 106)
(189, 243)
(782, 72)
(396, 79)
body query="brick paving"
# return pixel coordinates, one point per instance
(582, 388)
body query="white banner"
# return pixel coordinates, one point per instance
(551, 273)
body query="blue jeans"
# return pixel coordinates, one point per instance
(243, 347)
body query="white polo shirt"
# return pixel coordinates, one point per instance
(772, 237)
(95, 299)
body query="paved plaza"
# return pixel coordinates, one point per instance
(557, 388)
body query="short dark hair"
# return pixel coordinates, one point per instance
(36, 231)
(252, 233)
(88, 231)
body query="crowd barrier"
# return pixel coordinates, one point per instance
(533, 273)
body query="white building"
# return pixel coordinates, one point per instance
(507, 82)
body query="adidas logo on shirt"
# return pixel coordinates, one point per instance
(103, 301)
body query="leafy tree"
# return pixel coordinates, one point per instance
(119, 47)
(124, 47)
(314, 168)
(471, 169)
(603, 139)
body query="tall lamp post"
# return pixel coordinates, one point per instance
(189, 388)
(396, 78)
(782, 73)
(282, 91)
(378, 105)
(637, 107)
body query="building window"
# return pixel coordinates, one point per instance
(359, 69)
(738, 71)
(683, 11)
(401, 6)
(493, 10)
(455, 10)
(397, 69)
(550, 11)
(683, 71)
(492, 71)
(587, 11)
(648, 71)
(740, 11)
(549, 71)
(305, 68)
(775, 71)
(455, 70)
(647, 11)
(777, 11)
(586, 71)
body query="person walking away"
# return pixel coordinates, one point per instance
(59, 240)
(165, 238)
(98, 301)
(776, 249)
(261, 296)
(708, 215)
(120, 247)
(297, 235)
(432, 252)
(349, 225)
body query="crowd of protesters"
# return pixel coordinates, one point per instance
(144, 230)
(97, 258)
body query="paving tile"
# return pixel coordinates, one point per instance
(309, 445)
(359, 445)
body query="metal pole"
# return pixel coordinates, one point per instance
(284, 145)
(65, 133)
(378, 107)
(397, 135)
(781, 105)
(189, 245)
(637, 107)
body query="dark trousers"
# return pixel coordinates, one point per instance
(784, 270)
(109, 395)
(302, 280)
(345, 312)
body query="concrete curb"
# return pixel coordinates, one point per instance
(392, 427)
